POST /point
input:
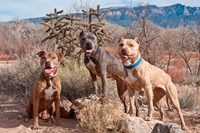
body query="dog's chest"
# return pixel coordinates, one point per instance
(92, 67)
(131, 80)
(49, 92)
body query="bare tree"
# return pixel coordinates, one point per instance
(166, 38)
(195, 33)
(82, 5)
(146, 31)
(184, 45)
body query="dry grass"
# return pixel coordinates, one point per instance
(189, 96)
(99, 116)
(75, 80)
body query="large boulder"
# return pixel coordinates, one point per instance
(167, 128)
(131, 124)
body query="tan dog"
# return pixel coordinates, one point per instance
(143, 75)
(45, 92)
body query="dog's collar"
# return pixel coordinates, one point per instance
(134, 65)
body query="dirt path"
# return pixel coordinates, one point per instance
(10, 121)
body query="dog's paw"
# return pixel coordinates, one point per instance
(148, 118)
(53, 120)
(35, 127)
(58, 123)
(184, 128)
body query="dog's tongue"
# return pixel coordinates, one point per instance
(124, 56)
(49, 70)
(89, 50)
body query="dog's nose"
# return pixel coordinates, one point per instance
(48, 63)
(89, 45)
(124, 50)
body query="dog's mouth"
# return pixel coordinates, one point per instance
(48, 70)
(124, 56)
(89, 51)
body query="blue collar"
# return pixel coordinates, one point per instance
(134, 65)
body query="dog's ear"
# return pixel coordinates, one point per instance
(120, 40)
(60, 56)
(40, 53)
(137, 40)
(81, 34)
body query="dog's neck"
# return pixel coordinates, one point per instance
(93, 55)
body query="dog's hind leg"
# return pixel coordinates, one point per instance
(169, 104)
(159, 93)
(172, 93)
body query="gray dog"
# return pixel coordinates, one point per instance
(103, 64)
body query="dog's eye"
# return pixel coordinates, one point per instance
(91, 37)
(130, 44)
(121, 44)
(44, 58)
(54, 57)
(83, 39)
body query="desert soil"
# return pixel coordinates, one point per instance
(12, 119)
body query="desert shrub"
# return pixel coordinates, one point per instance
(19, 76)
(77, 83)
(99, 115)
(189, 96)
(75, 80)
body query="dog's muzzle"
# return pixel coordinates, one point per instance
(88, 52)
(49, 69)
(124, 55)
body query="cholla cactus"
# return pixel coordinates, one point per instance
(64, 29)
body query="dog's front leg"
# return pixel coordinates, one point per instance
(103, 80)
(131, 93)
(94, 80)
(57, 105)
(149, 91)
(35, 112)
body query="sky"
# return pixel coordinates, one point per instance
(21, 9)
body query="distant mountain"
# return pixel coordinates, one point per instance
(166, 17)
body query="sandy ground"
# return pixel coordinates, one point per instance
(11, 121)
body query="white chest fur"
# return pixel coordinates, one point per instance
(49, 92)
(90, 65)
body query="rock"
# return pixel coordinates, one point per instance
(19, 116)
(66, 108)
(81, 102)
(167, 128)
(134, 125)
(137, 125)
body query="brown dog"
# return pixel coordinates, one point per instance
(45, 92)
(143, 75)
